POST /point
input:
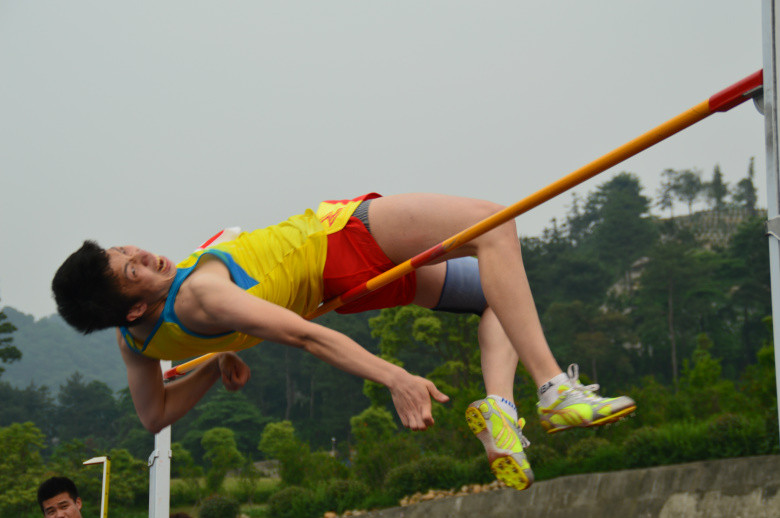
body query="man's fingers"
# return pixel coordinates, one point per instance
(437, 394)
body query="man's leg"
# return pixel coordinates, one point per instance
(498, 358)
(493, 419)
(407, 224)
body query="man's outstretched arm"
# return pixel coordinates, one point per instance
(225, 305)
(160, 404)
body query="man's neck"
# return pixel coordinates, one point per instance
(145, 324)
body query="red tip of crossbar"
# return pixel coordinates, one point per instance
(737, 93)
(171, 374)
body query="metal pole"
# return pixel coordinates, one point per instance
(106, 462)
(771, 80)
(160, 469)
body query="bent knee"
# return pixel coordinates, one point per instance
(504, 234)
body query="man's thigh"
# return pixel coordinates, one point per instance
(405, 225)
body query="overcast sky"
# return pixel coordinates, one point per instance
(159, 123)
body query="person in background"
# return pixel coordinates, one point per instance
(59, 498)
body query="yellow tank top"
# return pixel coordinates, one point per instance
(282, 264)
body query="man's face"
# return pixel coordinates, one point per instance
(62, 506)
(141, 274)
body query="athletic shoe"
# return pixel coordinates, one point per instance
(503, 442)
(578, 405)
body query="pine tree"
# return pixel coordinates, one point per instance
(8, 353)
(688, 187)
(745, 191)
(717, 190)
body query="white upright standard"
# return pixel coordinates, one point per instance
(160, 470)
(770, 12)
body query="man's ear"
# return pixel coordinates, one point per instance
(78, 503)
(136, 311)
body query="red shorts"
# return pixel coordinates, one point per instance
(355, 257)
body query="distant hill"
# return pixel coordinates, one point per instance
(715, 227)
(52, 351)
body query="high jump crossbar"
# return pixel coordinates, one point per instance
(724, 100)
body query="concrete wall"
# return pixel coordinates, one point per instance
(732, 488)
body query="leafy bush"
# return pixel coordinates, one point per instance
(734, 435)
(726, 435)
(321, 467)
(583, 449)
(432, 472)
(219, 507)
(372, 465)
(256, 492)
(402, 481)
(184, 493)
(540, 455)
(441, 472)
(477, 470)
(341, 495)
(293, 502)
(669, 444)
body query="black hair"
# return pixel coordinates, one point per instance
(54, 486)
(87, 292)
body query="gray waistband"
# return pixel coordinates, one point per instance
(361, 213)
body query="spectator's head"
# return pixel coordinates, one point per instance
(59, 498)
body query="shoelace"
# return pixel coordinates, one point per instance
(574, 377)
(524, 442)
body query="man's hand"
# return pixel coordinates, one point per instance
(412, 399)
(235, 373)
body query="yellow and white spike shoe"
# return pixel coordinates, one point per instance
(578, 405)
(503, 441)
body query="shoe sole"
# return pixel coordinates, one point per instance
(504, 467)
(617, 416)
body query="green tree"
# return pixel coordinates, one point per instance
(183, 466)
(745, 273)
(231, 410)
(86, 410)
(129, 432)
(21, 467)
(705, 392)
(379, 446)
(616, 227)
(372, 427)
(678, 295)
(666, 191)
(759, 379)
(310, 392)
(745, 192)
(278, 441)
(688, 187)
(129, 480)
(717, 190)
(557, 270)
(423, 340)
(8, 353)
(33, 403)
(222, 455)
(595, 336)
